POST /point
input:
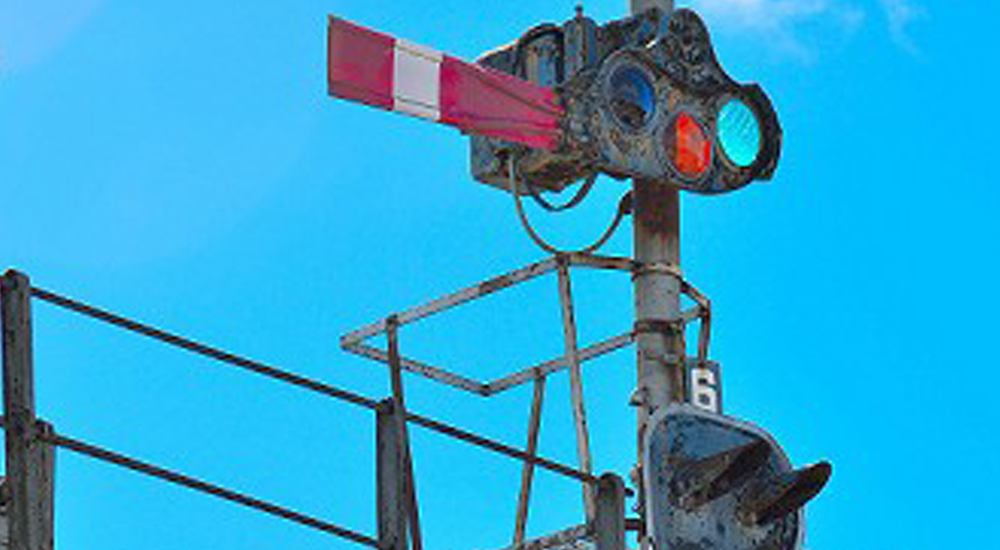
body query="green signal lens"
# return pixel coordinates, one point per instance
(739, 133)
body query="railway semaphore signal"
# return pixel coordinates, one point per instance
(641, 98)
(644, 97)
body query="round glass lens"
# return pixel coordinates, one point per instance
(632, 96)
(689, 147)
(739, 133)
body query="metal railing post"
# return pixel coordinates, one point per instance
(572, 358)
(528, 469)
(402, 433)
(609, 516)
(390, 479)
(29, 460)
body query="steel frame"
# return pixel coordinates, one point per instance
(572, 359)
(354, 341)
(34, 468)
(602, 496)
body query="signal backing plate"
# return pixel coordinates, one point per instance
(681, 433)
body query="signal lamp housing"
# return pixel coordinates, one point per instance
(644, 97)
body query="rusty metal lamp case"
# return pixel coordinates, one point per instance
(644, 97)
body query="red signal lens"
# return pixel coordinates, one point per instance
(689, 147)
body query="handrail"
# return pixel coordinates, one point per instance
(39, 431)
(301, 381)
(202, 349)
(99, 453)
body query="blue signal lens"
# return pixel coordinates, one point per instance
(739, 133)
(632, 97)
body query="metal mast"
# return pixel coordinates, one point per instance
(657, 288)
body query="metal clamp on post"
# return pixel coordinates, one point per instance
(657, 268)
(665, 327)
(670, 357)
(659, 326)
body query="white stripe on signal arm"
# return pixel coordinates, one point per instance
(416, 80)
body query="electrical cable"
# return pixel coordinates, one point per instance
(544, 203)
(624, 208)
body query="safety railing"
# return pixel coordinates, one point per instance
(30, 441)
(571, 360)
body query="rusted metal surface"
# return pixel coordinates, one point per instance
(517, 378)
(423, 369)
(93, 451)
(703, 312)
(486, 288)
(528, 470)
(559, 363)
(674, 53)
(595, 261)
(575, 384)
(657, 285)
(389, 480)
(657, 291)
(692, 314)
(609, 517)
(454, 299)
(784, 494)
(393, 538)
(571, 360)
(353, 341)
(703, 479)
(718, 482)
(501, 384)
(402, 434)
(29, 465)
(664, 369)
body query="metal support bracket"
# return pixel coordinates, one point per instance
(29, 461)
(609, 520)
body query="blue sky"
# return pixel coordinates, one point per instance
(180, 163)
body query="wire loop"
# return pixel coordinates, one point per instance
(581, 194)
(624, 208)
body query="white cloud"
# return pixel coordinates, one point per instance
(901, 14)
(778, 22)
(32, 32)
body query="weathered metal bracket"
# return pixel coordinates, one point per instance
(354, 341)
(572, 359)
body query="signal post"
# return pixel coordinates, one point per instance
(642, 98)
(660, 346)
